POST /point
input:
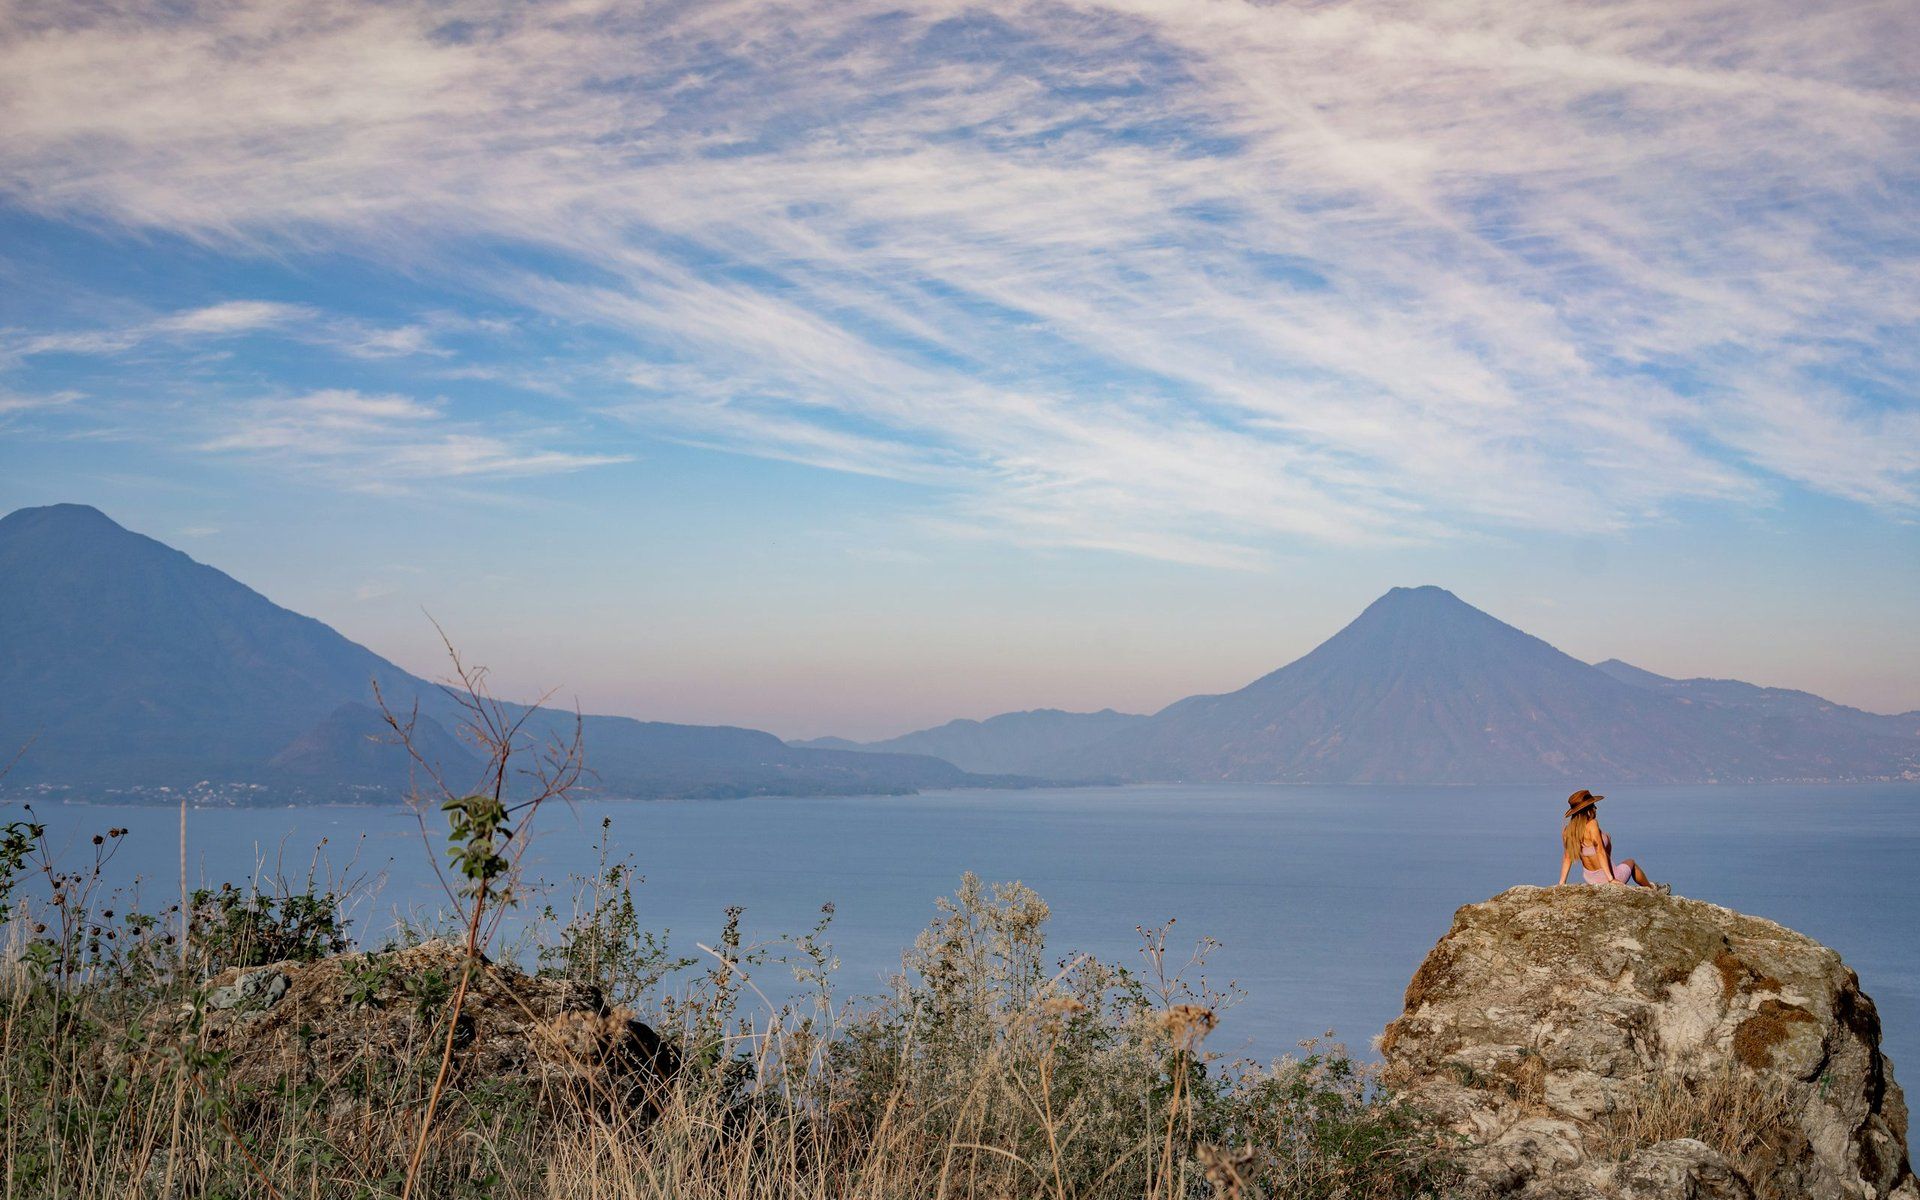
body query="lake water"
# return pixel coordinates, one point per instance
(1325, 899)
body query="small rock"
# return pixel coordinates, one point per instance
(1680, 1169)
(251, 990)
(224, 998)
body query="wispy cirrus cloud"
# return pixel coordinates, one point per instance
(226, 319)
(15, 402)
(18, 410)
(382, 443)
(1172, 279)
(350, 335)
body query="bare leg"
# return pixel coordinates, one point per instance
(1639, 876)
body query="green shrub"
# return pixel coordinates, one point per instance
(231, 927)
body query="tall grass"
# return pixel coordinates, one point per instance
(989, 1069)
(1747, 1116)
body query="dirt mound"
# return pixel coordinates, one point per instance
(355, 1025)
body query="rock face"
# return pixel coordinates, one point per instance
(350, 1018)
(1605, 1042)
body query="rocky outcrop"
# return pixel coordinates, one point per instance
(1606, 1042)
(341, 1025)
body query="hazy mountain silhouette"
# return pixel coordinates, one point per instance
(1012, 743)
(1781, 716)
(133, 663)
(353, 748)
(129, 664)
(1424, 688)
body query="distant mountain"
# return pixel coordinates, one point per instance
(1424, 688)
(1017, 743)
(130, 665)
(133, 663)
(353, 749)
(1776, 713)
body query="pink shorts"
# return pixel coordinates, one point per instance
(1621, 872)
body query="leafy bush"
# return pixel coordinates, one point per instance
(229, 927)
(605, 944)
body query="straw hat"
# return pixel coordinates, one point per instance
(1580, 802)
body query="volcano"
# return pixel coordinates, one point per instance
(127, 667)
(1422, 687)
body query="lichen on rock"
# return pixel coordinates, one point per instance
(1606, 1042)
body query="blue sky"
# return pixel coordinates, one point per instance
(846, 368)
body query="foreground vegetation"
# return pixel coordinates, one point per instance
(990, 1070)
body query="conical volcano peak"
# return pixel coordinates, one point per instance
(1426, 596)
(72, 517)
(1426, 641)
(69, 541)
(1426, 607)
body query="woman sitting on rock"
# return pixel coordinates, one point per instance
(1582, 838)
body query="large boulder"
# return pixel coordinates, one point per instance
(1607, 1042)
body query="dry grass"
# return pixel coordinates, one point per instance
(990, 1071)
(1745, 1116)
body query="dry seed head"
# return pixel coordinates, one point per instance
(1186, 1025)
(1229, 1171)
(1054, 1013)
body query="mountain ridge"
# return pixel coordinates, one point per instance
(1009, 743)
(125, 663)
(131, 664)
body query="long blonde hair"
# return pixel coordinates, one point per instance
(1573, 834)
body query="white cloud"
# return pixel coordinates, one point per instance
(15, 402)
(227, 318)
(1176, 278)
(19, 409)
(397, 342)
(353, 336)
(383, 442)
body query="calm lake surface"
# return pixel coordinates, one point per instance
(1324, 898)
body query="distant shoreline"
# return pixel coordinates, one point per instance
(205, 805)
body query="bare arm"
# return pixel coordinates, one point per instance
(1566, 864)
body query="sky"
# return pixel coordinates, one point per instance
(846, 368)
